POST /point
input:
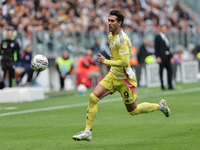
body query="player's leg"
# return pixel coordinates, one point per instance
(99, 92)
(144, 107)
(129, 95)
(148, 107)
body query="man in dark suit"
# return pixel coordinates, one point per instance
(163, 55)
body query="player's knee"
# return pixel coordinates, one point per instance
(133, 112)
(93, 99)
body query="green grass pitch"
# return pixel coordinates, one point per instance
(50, 124)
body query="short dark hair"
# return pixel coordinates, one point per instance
(119, 14)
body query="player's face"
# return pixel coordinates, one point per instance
(113, 24)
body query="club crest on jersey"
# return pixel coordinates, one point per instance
(12, 44)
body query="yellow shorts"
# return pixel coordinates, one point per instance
(126, 87)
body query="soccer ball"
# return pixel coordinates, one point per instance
(39, 63)
(82, 89)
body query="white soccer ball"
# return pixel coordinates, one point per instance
(39, 62)
(81, 88)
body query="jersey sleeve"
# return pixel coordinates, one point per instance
(124, 55)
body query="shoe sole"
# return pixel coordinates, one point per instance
(167, 108)
(168, 111)
(77, 139)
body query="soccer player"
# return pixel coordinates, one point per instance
(121, 78)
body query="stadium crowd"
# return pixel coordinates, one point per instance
(86, 15)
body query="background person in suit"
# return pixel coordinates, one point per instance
(163, 55)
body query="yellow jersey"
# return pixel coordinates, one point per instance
(120, 55)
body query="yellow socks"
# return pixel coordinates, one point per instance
(93, 107)
(145, 108)
(91, 110)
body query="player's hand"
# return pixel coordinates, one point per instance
(101, 58)
(159, 60)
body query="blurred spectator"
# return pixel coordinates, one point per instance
(198, 56)
(134, 60)
(64, 66)
(83, 67)
(184, 14)
(144, 56)
(87, 69)
(28, 33)
(98, 50)
(93, 68)
(25, 66)
(177, 58)
(97, 47)
(145, 50)
(106, 53)
(10, 55)
(83, 16)
(196, 52)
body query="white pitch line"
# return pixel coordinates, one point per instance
(102, 101)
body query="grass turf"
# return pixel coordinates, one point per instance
(114, 128)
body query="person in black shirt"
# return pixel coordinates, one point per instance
(10, 55)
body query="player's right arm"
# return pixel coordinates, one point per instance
(117, 63)
(124, 55)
